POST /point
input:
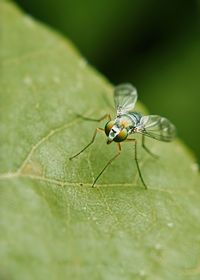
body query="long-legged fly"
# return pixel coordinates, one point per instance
(127, 123)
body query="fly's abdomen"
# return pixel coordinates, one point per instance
(135, 117)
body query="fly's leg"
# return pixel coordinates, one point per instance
(146, 149)
(98, 129)
(136, 160)
(110, 161)
(95, 120)
(95, 133)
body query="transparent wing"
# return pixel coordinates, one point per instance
(157, 127)
(125, 96)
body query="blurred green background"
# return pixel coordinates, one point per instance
(153, 44)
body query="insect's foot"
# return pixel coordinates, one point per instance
(74, 156)
(145, 186)
(143, 183)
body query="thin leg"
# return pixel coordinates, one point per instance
(110, 161)
(145, 147)
(136, 160)
(91, 142)
(95, 120)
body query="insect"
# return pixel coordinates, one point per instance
(127, 123)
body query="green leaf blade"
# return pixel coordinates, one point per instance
(53, 224)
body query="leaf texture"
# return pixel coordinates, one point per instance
(53, 225)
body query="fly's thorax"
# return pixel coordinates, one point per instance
(115, 131)
(124, 121)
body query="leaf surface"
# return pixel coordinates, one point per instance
(53, 225)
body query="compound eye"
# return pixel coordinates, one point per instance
(108, 127)
(121, 136)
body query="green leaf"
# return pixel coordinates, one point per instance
(53, 225)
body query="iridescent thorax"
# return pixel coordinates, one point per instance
(118, 130)
(129, 120)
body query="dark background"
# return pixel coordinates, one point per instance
(153, 44)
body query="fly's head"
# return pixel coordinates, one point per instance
(115, 132)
